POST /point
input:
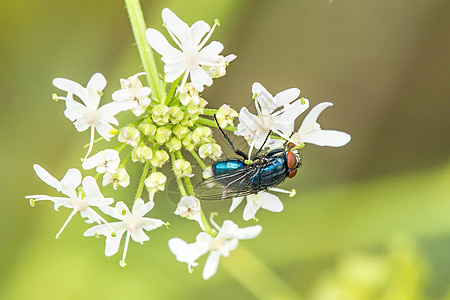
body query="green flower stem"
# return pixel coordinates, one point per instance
(212, 123)
(138, 26)
(172, 90)
(179, 182)
(198, 159)
(256, 276)
(120, 147)
(205, 222)
(209, 111)
(141, 182)
(125, 160)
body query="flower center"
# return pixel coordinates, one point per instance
(217, 244)
(265, 124)
(91, 115)
(191, 58)
(78, 204)
(132, 223)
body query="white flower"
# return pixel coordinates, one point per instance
(133, 224)
(219, 70)
(79, 202)
(190, 59)
(310, 131)
(121, 178)
(275, 113)
(134, 93)
(189, 207)
(226, 240)
(88, 114)
(262, 200)
(106, 161)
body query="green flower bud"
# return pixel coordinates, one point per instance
(176, 114)
(225, 116)
(147, 129)
(174, 144)
(141, 153)
(202, 103)
(182, 168)
(155, 182)
(193, 109)
(187, 121)
(162, 135)
(202, 134)
(129, 135)
(160, 114)
(121, 178)
(188, 143)
(159, 158)
(180, 131)
(210, 150)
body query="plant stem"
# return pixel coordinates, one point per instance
(141, 182)
(138, 26)
(212, 123)
(198, 159)
(179, 182)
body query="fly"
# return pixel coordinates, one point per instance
(238, 177)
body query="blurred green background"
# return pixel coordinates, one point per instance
(370, 220)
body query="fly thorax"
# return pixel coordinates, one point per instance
(132, 223)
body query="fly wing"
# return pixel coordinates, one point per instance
(232, 184)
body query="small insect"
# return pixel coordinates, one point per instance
(238, 177)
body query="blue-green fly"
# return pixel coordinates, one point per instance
(238, 177)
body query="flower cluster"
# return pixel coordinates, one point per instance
(166, 126)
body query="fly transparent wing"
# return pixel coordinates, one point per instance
(228, 185)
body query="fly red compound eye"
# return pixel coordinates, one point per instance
(291, 160)
(292, 173)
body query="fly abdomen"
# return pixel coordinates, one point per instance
(225, 166)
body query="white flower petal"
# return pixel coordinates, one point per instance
(158, 42)
(70, 87)
(112, 243)
(46, 177)
(235, 203)
(139, 236)
(150, 223)
(70, 182)
(252, 207)
(212, 262)
(330, 138)
(174, 24)
(210, 53)
(96, 83)
(199, 78)
(270, 202)
(287, 96)
(198, 30)
(248, 232)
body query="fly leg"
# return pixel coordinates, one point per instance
(238, 152)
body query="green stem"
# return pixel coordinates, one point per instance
(179, 182)
(209, 111)
(141, 182)
(205, 222)
(138, 26)
(172, 90)
(198, 159)
(257, 277)
(212, 123)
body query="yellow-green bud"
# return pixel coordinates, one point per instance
(159, 158)
(121, 178)
(162, 135)
(194, 109)
(160, 114)
(210, 150)
(188, 144)
(202, 103)
(180, 131)
(173, 144)
(129, 135)
(147, 129)
(187, 121)
(176, 114)
(182, 168)
(155, 182)
(202, 134)
(141, 153)
(225, 116)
